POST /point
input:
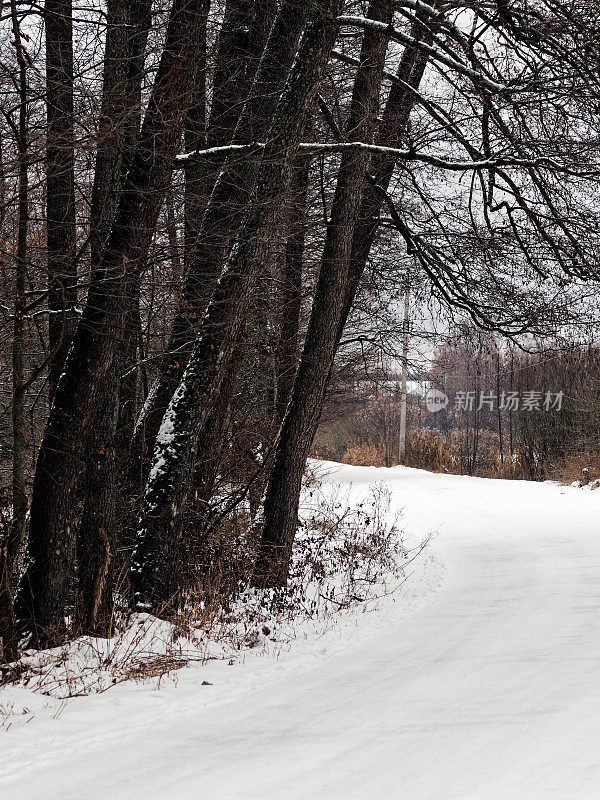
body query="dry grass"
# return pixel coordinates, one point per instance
(365, 454)
(432, 450)
(345, 554)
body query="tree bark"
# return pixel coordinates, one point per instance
(44, 587)
(291, 290)
(15, 535)
(128, 24)
(304, 408)
(96, 530)
(60, 184)
(127, 29)
(223, 215)
(242, 38)
(168, 486)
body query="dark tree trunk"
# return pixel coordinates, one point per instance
(130, 387)
(87, 378)
(302, 416)
(198, 181)
(391, 130)
(128, 24)
(60, 184)
(96, 532)
(15, 535)
(210, 447)
(291, 288)
(242, 39)
(224, 214)
(277, 361)
(304, 409)
(168, 485)
(127, 29)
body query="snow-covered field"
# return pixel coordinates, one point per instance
(478, 679)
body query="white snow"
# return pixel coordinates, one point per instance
(477, 680)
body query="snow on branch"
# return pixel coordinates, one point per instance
(452, 61)
(542, 162)
(435, 111)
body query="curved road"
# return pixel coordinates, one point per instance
(488, 689)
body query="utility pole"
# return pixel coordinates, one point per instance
(405, 322)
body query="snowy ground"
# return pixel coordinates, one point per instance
(478, 680)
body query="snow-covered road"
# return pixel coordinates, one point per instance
(481, 681)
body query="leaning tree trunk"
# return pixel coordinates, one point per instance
(291, 288)
(304, 408)
(168, 486)
(60, 184)
(96, 530)
(15, 535)
(242, 38)
(128, 24)
(127, 29)
(282, 357)
(391, 130)
(241, 41)
(45, 585)
(223, 216)
(230, 82)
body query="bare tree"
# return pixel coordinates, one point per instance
(168, 486)
(60, 190)
(45, 584)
